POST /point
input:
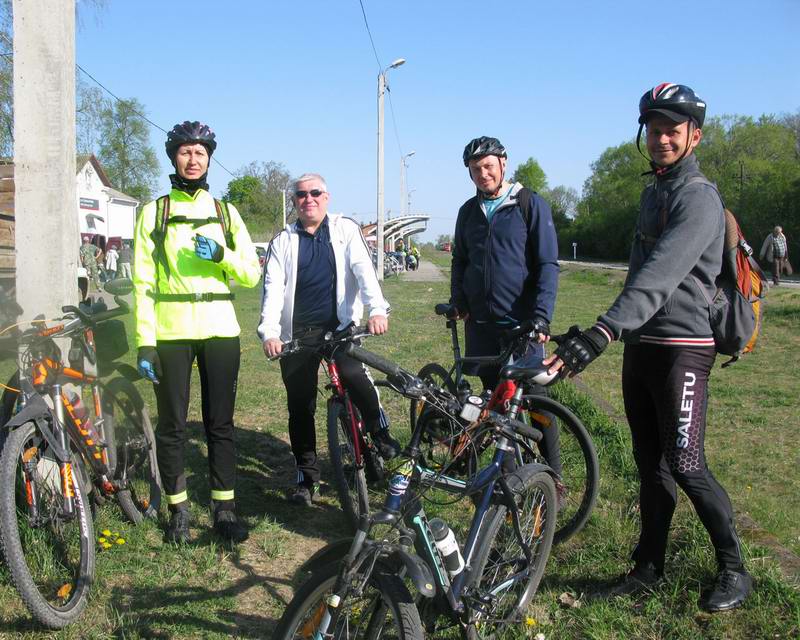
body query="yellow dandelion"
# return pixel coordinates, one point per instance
(120, 540)
(531, 622)
(101, 540)
(106, 532)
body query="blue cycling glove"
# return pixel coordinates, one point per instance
(207, 249)
(149, 364)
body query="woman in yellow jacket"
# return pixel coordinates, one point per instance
(187, 247)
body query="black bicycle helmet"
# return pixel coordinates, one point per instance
(676, 101)
(190, 133)
(483, 146)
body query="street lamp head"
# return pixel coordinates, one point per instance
(397, 63)
(411, 153)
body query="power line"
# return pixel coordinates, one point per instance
(141, 115)
(369, 33)
(380, 70)
(117, 98)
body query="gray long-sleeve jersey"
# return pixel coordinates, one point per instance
(661, 303)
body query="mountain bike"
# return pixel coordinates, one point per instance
(571, 453)
(357, 465)
(356, 588)
(60, 447)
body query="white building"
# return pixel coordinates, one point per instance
(104, 214)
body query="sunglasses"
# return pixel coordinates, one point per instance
(314, 193)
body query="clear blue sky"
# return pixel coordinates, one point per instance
(559, 81)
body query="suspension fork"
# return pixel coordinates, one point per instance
(65, 465)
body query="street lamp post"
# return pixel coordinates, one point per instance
(408, 208)
(379, 230)
(403, 181)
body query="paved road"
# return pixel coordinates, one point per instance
(427, 272)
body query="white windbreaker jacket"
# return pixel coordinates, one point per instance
(357, 283)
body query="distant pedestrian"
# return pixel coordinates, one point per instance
(89, 255)
(112, 256)
(124, 263)
(775, 249)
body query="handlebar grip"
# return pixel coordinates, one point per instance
(524, 430)
(445, 309)
(102, 316)
(373, 360)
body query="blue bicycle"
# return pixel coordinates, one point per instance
(358, 586)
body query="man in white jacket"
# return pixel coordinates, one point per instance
(318, 277)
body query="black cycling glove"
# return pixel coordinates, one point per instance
(540, 325)
(578, 348)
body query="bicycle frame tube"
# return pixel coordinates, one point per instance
(355, 426)
(65, 465)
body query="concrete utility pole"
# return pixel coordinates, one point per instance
(45, 200)
(379, 230)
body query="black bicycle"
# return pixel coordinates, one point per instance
(357, 587)
(570, 451)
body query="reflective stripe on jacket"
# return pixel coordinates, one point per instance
(168, 320)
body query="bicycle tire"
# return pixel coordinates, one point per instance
(436, 374)
(51, 564)
(131, 447)
(8, 404)
(394, 605)
(351, 483)
(498, 556)
(580, 475)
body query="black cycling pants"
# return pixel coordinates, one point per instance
(300, 375)
(486, 339)
(218, 364)
(666, 392)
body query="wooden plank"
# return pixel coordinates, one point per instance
(7, 184)
(6, 197)
(6, 170)
(6, 235)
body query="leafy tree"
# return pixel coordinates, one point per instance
(258, 193)
(564, 205)
(89, 108)
(531, 175)
(607, 214)
(125, 151)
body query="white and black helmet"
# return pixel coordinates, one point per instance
(483, 146)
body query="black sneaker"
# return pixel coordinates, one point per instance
(178, 529)
(302, 495)
(642, 578)
(228, 527)
(729, 591)
(387, 446)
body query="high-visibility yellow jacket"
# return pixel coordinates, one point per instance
(171, 320)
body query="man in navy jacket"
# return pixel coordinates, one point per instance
(505, 258)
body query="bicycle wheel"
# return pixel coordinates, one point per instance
(50, 558)
(131, 450)
(384, 609)
(351, 482)
(579, 481)
(503, 582)
(431, 373)
(8, 405)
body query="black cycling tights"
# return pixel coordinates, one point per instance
(218, 364)
(666, 392)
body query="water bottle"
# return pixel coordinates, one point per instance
(397, 489)
(446, 543)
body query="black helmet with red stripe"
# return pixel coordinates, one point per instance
(675, 101)
(190, 133)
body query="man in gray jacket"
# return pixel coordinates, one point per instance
(663, 318)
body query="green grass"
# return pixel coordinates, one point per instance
(147, 589)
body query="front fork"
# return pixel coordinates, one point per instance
(65, 465)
